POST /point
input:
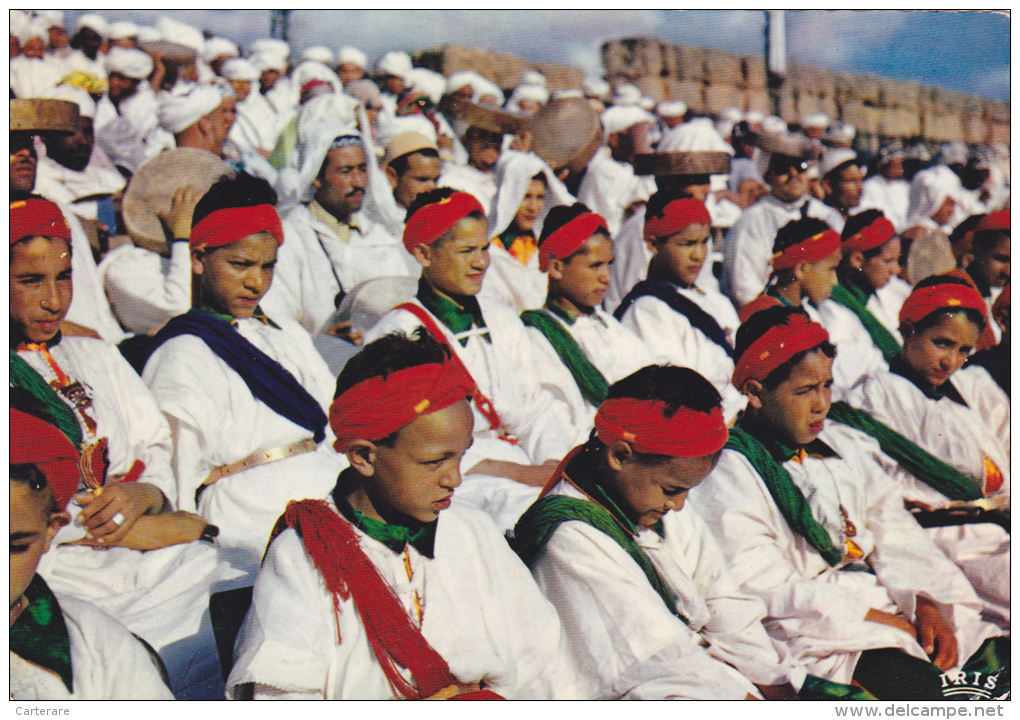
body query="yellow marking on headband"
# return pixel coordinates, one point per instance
(422, 406)
(17, 204)
(764, 355)
(629, 436)
(953, 301)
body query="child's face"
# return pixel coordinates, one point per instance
(940, 350)
(682, 254)
(584, 278)
(879, 269)
(795, 410)
(40, 286)
(531, 206)
(651, 491)
(818, 278)
(992, 265)
(32, 529)
(456, 265)
(417, 476)
(235, 277)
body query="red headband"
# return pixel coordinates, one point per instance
(676, 216)
(36, 441)
(994, 221)
(379, 406)
(567, 239)
(924, 301)
(776, 346)
(433, 221)
(688, 434)
(870, 237)
(36, 217)
(223, 227)
(815, 248)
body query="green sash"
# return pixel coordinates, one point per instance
(785, 493)
(855, 299)
(39, 635)
(23, 376)
(590, 382)
(454, 315)
(917, 461)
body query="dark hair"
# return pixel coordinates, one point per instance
(30, 475)
(434, 196)
(985, 240)
(854, 224)
(400, 164)
(656, 205)
(961, 230)
(541, 178)
(559, 216)
(234, 191)
(935, 317)
(797, 231)
(759, 324)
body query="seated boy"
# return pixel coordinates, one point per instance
(810, 522)
(989, 267)
(384, 591)
(446, 233)
(648, 607)
(579, 348)
(65, 649)
(682, 323)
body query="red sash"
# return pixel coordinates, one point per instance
(335, 550)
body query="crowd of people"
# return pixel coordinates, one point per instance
(411, 401)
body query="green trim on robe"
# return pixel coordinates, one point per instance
(590, 381)
(458, 316)
(232, 321)
(286, 141)
(39, 635)
(855, 299)
(24, 376)
(422, 537)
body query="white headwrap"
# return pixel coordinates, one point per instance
(394, 63)
(129, 62)
(533, 77)
(218, 47)
(177, 112)
(269, 61)
(93, 21)
(312, 70)
(833, 158)
(754, 117)
(238, 69)
(626, 94)
(318, 53)
(52, 18)
(389, 127)
(647, 103)
(272, 46)
(484, 88)
(32, 29)
(596, 87)
(773, 125)
(514, 171)
(537, 93)
(928, 190)
(18, 20)
(697, 135)
(121, 30)
(148, 34)
(348, 54)
(431, 83)
(621, 117)
(840, 133)
(86, 105)
(182, 34)
(818, 120)
(563, 94)
(954, 153)
(671, 108)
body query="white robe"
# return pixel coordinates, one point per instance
(215, 420)
(481, 612)
(256, 126)
(145, 288)
(816, 610)
(892, 197)
(35, 77)
(502, 370)
(470, 180)
(107, 663)
(515, 286)
(624, 639)
(312, 259)
(747, 258)
(610, 187)
(673, 339)
(60, 184)
(130, 134)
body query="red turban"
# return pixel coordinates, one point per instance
(228, 225)
(924, 301)
(36, 217)
(433, 221)
(379, 406)
(36, 441)
(567, 239)
(815, 248)
(688, 434)
(676, 216)
(994, 221)
(870, 237)
(776, 346)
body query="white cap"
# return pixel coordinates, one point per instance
(218, 47)
(318, 53)
(178, 112)
(238, 69)
(840, 132)
(621, 117)
(269, 61)
(647, 103)
(181, 33)
(626, 94)
(32, 29)
(538, 93)
(86, 105)
(698, 135)
(148, 34)
(596, 87)
(833, 158)
(52, 18)
(564, 94)
(773, 125)
(350, 55)
(731, 115)
(818, 120)
(129, 62)
(431, 83)
(486, 88)
(533, 77)
(271, 46)
(671, 108)
(121, 30)
(394, 63)
(458, 80)
(94, 21)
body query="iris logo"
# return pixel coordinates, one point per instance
(972, 686)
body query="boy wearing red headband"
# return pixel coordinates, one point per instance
(810, 522)
(989, 267)
(995, 360)
(580, 349)
(641, 587)
(683, 323)
(962, 418)
(64, 649)
(518, 422)
(245, 395)
(384, 590)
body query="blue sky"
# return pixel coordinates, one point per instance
(964, 51)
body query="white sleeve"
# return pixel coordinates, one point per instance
(667, 334)
(143, 297)
(746, 263)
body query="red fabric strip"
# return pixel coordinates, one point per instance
(36, 217)
(566, 241)
(815, 248)
(688, 434)
(36, 441)
(775, 347)
(232, 224)
(433, 221)
(870, 237)
(676, 216)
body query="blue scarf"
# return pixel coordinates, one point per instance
(698, 318)
(268, 381)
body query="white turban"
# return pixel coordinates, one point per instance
(318, 53)
(698, 135)
(52, 18)
(954, 153)
(269, 61)
(177, 112)
(461, 79)
(513, 176)
(391, 127)
(148, 34)
(431, 83)
(218, 47)
(485, 87)
(95, 22)
(833, 158)
(596, 87)
(271, 46)
(394, 63)
(671, 108)
(928, 190)
(238, 69)
(754, 117)
(626, 94)
(527, 92)
(129, 62)
(533, 77)
(312, 70)
(840, 133)
(19, 19)
(773, 125)
(564, 94)
(621, 117)
(818, 120)
(32, 29)
(121, 30)
(182, 34)
(348, 54)
(86, 105)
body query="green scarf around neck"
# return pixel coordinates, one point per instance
(854, 298)
(590, 381)
(24, 376)
(39, 635)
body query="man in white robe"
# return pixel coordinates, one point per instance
(887, 190)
